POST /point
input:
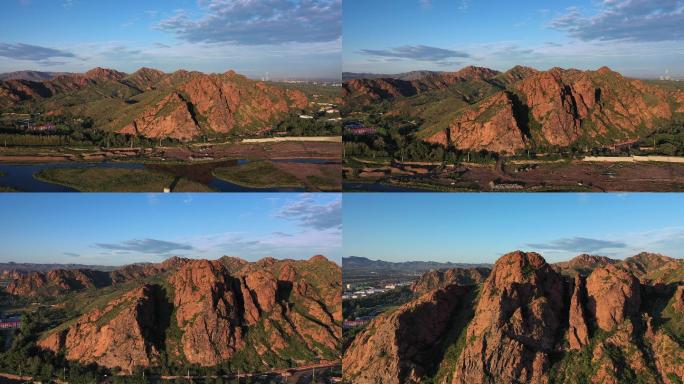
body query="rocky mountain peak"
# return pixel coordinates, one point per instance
(104, 74)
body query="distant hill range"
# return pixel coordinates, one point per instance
(413, 75)
(31, 75)
(31, 267)
(149, 103)
(355, 263)
(478, 108)
(589, 320)
(187, 313)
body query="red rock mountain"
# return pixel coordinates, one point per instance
(181, 105)
(443, 278)
(582, 264)
(531, 324)
(401, 346)
(480, 109)
(221, 313)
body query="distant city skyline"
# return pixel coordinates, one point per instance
(119, 229)
(479, 228)
(252, 37)
(635, 37)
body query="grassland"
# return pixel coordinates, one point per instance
(117, 180)
(258, 174)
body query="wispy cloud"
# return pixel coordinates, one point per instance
(578, 244)
(301, 244)
(71, 254)
(417, 52)
(22, 51)
(310, 214)
(631, 20)
(259, 22)
(148, 246)
(667, 240)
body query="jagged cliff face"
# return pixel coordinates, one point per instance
(490, 125)
(516, 321)
(124, 334)
(521, 108)
(210, 313)
(403, 345)
(181, 105)
(608, 321)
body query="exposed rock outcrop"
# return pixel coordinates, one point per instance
(515, 324)
(489, 125)
(613, 295)
(578, 331)
(124, 334)
(171, 117)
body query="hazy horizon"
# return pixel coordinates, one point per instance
(479, 228)
(456, 69)
(640, 39)
(496, 257)
(119, 229)
(161, 261)
(255, 37)
(167, 72)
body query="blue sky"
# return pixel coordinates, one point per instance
(116, 229)
(478, 228)
(287, 38)
(640, 38)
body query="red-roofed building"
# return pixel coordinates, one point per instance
(10, 323)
